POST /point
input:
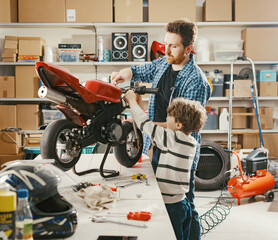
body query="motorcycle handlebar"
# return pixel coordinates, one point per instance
(141, 90)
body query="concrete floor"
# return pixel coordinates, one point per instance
(253, 219)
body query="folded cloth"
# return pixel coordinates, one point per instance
(97, 197)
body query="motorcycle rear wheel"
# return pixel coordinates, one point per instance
(53, 144)
(128, 153)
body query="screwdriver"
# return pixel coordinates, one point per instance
(140, 216)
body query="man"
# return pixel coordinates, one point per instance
(176, 75)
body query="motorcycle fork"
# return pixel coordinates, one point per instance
(136, 134)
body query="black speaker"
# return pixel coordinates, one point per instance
(120, 47)
(139, 47)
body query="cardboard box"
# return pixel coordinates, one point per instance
(268, 89)
(10, 50)
(260, 43)
(32, 142)
(26, 82)
(242, 88)
(8, 55)
(28, 117)
(7, 87)
(10, 143)
(8, 158)
(217, 11)
(89, 11)
(8, 116)
(8, 59)
(10, 44)
(49, 11)
(14, 38)
(250, 141)
(166, 11)
(31, 46)
(256, 10)
(266, 119)
(128, 11)
(8, 11)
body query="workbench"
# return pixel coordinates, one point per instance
(136, 197)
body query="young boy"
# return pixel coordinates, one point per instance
(177, 154)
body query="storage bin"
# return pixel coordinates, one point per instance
(227, 55)
(222, 45)
(88, 149)
(69, 56)
(266, 76)
(212, 122)
(51, 115)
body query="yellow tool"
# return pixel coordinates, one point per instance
(139, 176)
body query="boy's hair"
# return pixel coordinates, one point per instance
(186, 29)
(191, 114)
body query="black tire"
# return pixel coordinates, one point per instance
(269, 197)
(212, 166)
(127, 153)
(53, 134)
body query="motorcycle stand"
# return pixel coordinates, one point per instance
(112, 173)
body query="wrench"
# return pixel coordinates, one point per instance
(101, 219)
(128, 184)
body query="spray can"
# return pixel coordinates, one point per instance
(100, 49)
(7, 212)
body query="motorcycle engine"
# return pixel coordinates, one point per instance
(113, 131)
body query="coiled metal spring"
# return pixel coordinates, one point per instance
(218, 213)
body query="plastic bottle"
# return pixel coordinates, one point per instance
(223, 119)
(100, 49)
(24, 217)
(7, 212)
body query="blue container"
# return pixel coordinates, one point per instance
(266, 76)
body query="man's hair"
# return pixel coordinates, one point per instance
(186, 29)
(191, 114)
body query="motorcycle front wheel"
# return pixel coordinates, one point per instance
(54, 144)
(128, 153)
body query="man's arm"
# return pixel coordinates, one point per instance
(124, 75)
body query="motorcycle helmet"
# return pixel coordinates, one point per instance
(53, 217)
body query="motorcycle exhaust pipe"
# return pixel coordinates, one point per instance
(52, 95)
(59, 98)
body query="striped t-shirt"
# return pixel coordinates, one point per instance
(177, 154)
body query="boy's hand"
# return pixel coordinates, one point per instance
(130, 97)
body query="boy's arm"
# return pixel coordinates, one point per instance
(163, 138)
(159, 135)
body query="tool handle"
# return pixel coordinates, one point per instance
(143, 89)
(141, 216)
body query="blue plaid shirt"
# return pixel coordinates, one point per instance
(191, 83)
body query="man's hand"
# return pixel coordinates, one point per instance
(130, 97)
(124, 75)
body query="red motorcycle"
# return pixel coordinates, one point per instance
(94, 114)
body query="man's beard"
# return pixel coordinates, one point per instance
(174, 60)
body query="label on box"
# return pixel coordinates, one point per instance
(71, 15)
